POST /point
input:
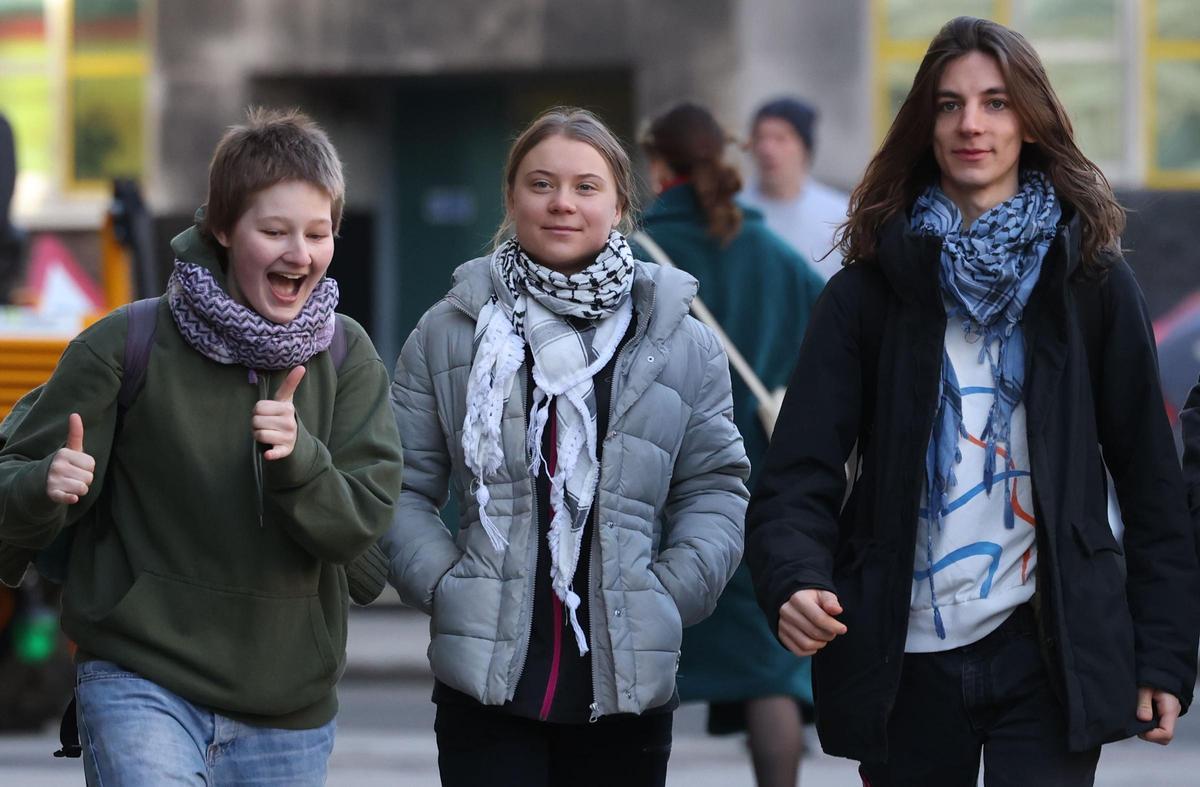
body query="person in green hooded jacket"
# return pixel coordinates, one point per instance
(761, 291)
(208, 594)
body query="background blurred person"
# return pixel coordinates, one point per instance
(989, 351)
(561, 389)
(760, 291)
(804, 211)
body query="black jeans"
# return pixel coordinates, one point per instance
(991, 695)
(483, 746)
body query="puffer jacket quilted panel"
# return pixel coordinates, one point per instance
(669, 506)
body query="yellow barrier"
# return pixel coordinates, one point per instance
(25, 364)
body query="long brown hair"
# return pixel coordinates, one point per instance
(904, 164)
(691, 142)
(579, 125)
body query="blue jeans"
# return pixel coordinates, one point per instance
(134, 733)
(993, 695)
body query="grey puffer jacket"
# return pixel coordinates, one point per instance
(669, 507)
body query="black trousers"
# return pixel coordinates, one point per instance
(992, 695)
(482, 746)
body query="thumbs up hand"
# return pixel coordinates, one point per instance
(274, 420)
(71, 470)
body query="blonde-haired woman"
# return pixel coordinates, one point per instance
(585, 422)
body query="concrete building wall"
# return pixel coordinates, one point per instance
(817, 51)
(213, 58)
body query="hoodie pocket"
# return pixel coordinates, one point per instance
(236, 650)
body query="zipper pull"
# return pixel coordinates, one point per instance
(595, 717)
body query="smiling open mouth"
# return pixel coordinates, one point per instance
(286, 285)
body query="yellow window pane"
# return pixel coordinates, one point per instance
(1070, 19)
(25, 101)
(1177, 117)
(24, 82)
(1093, 94)
(106, 125)
(898, 81)
(1178, 19)
(920, 20)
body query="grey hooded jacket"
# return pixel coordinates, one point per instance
(669, 507)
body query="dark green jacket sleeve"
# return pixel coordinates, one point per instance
(86, 381)
(337, 496)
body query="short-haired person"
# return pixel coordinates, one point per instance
(584, 420)
(989, 352)
(208, 597)
(802, 210)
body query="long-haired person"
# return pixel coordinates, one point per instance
(989, 352)
(761, 292)
(584, 421)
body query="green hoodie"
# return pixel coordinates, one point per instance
(184, 582)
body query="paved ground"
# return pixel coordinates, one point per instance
(385, 732)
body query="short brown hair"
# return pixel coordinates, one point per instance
(271, 147)
(582, 126)
(905, 165)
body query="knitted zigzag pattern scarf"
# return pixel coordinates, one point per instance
(227, 332)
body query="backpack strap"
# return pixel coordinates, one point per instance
(337, 347)
(139, 339)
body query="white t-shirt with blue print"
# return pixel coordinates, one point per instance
(981, 569)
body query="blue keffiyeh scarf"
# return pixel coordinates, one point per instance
(988, 271)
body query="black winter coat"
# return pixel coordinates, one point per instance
(1112, 617)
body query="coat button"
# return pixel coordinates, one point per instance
(649, 359)
(610, 523)
(617, 613)
(628, 694)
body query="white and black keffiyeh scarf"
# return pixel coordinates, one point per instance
(573, 325)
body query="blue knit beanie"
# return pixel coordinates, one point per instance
(800, 115)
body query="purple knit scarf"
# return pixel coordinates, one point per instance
(219, 328)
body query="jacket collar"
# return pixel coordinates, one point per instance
(662, 297)
(192, 246)
(909, 259)
(679, 203)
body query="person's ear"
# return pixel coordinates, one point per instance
(222, 237)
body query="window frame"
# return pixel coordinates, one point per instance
(1156, 51)
(1136, 49)
(57, 199)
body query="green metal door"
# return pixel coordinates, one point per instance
(451, 143)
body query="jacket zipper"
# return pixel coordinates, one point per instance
(618, 374)
(256, 451)
(555, 605)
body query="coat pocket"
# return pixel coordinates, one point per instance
(1095, 537)
(234, 650)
